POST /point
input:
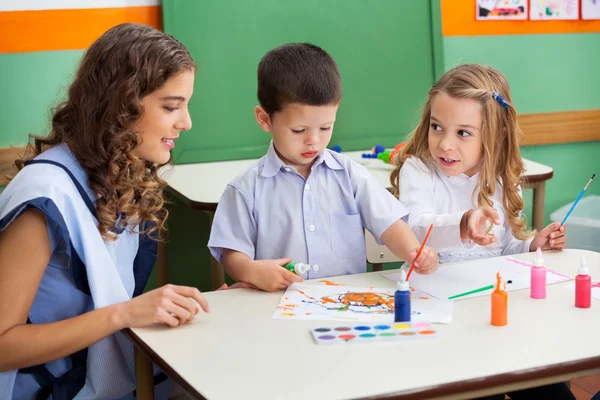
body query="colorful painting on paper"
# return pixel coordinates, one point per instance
(344, 303)
(590, 9)
(501, 9)
(554, 9)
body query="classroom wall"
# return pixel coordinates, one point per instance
(548, 71)
(37, 63)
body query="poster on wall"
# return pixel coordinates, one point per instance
(554, 9)
(590, 9)
(501, 9)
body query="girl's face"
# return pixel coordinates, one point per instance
(455, 141)
(165, 115)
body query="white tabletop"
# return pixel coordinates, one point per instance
(239, 351)
(205, 182)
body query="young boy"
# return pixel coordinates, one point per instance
(301, 201)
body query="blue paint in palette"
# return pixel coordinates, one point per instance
(372, 333)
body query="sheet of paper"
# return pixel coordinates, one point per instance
(453, 279)
(590, 9)
(554, 9)
(345, 303)
(500, 9)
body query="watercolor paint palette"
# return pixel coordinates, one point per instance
(371, 333)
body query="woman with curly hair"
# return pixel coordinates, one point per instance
(80, 221)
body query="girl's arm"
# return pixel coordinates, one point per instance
(24, 256)
(416, 193)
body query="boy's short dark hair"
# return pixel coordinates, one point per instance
(298, 73)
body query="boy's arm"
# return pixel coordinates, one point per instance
(381, 214)
(268, 275)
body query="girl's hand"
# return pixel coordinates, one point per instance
(475, 225)
(552, 237)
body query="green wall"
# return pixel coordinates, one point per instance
(31, 84)
(384, 75)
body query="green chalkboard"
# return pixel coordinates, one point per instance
(388, 53)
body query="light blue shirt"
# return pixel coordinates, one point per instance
(271, 211)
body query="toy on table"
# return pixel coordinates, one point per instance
(336, 148)
(388, 156)
(499, 303)
(370, 333)
(374, 151)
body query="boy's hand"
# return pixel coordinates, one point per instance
(550, 238)
(271, 276)
(237, 285)
(427, 262)
(475, 225)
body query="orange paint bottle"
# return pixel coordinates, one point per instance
(499, 303)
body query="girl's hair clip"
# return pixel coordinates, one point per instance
(500, 99)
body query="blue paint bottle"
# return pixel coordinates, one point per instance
(402, 300)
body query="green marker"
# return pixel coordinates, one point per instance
(297, 268)
(473, 291)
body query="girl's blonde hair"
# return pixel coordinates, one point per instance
(500, 134)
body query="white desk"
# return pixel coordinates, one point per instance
(238, 351)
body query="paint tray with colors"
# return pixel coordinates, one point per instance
(371, 333)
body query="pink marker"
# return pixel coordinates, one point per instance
(583, 286)
(538, 276)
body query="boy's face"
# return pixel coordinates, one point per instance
(300, 132)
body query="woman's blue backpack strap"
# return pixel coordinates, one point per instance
(144, 259)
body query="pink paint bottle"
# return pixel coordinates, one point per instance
(583, 286)
(538, 276)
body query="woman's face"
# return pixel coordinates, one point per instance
(165, 116)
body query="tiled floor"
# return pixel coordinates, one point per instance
(585, 388)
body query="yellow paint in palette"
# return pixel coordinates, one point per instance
(373, 333)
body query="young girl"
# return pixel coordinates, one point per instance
(461, 170)
(78, 224)
(464, 171)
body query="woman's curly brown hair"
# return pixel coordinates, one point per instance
(124, 65)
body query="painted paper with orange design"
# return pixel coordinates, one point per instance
(345, 303)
